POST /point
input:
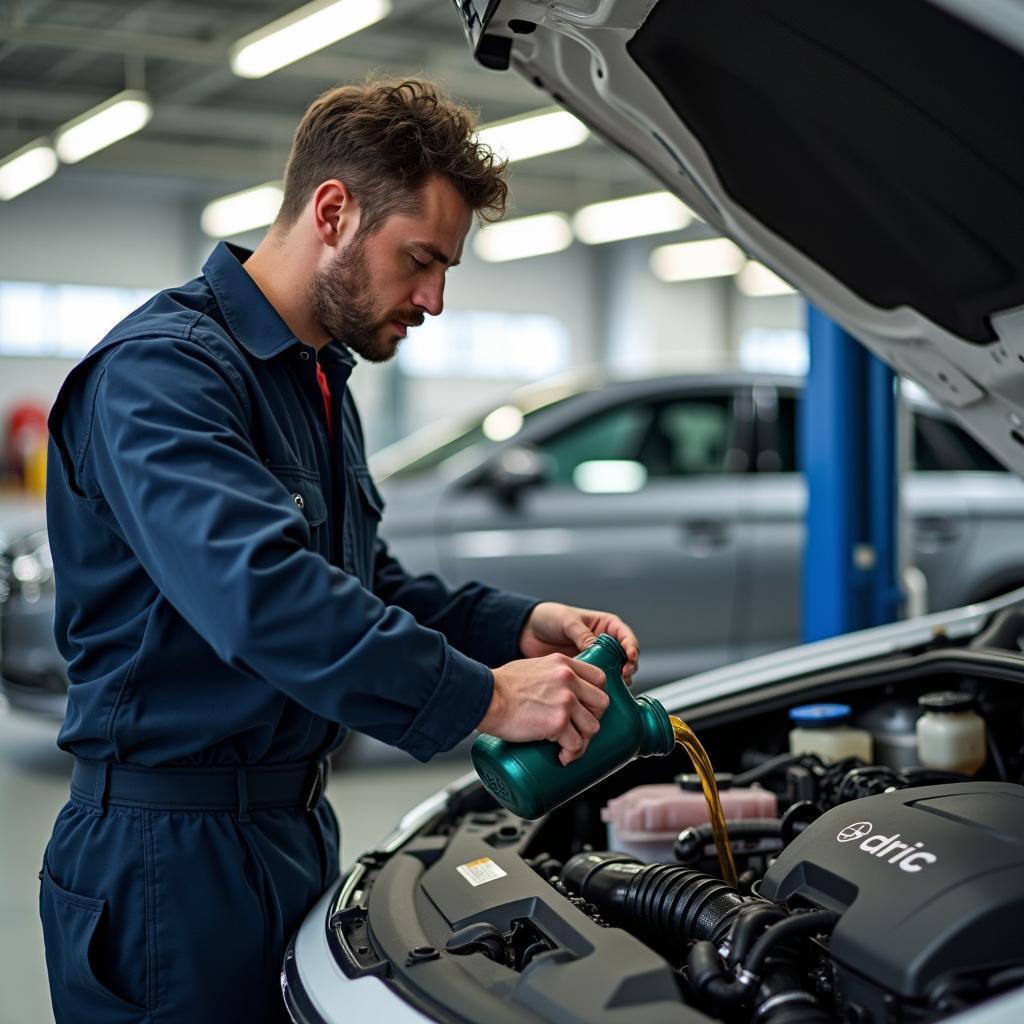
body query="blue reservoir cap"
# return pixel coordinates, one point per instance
(820, 716)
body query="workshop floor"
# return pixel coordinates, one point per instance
(369, 800)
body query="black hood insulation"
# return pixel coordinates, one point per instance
(884, 140)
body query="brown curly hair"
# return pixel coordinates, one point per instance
(383, 140)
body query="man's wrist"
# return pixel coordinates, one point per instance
(494, 711)
(527, 619)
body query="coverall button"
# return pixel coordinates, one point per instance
(300, 502)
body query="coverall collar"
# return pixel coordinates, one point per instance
(254, 322)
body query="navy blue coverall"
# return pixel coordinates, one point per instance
(226, 609)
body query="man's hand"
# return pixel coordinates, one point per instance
(547, 698)
(560, 628)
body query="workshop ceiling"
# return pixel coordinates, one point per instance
(214, 133)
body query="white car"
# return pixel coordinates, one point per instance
(872, 154)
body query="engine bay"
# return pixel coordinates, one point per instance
(869, 891)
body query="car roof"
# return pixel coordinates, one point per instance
(605, 387)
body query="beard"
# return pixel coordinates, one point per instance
(341, 301)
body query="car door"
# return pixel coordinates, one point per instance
(637, 515)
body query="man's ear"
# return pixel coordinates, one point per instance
(335, 214)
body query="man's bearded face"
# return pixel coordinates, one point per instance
(342, 299)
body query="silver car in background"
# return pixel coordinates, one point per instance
(676, 501)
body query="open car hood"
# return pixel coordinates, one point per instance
(872, 154)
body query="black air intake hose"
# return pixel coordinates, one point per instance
(668, 907)
(665, 905)
(691, 842)
(780, 999)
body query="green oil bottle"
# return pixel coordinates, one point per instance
(528, 778)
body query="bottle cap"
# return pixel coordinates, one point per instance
(689, 782)
(609, 643)
(947, 701)
(820, 716)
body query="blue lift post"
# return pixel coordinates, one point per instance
(848, 450)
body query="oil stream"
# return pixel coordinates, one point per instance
(687, 739)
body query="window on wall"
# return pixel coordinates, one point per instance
(476, 344)
(60, 319)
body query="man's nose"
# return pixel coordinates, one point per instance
(429, 295)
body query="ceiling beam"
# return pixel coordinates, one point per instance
(190, 50)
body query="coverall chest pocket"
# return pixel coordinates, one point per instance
(307, 496)
(361, 525)
(75, 957)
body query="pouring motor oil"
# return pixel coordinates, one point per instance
(529, 780)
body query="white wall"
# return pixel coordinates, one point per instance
(782, 312)
(654, 324)
(97, 234)
(689, 325)
(91, 233)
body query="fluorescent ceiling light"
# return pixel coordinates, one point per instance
(525, 236)
(25, 168)
(756, 280)
(520, 138)
(648, 214)
(242, 211)
(304, 31)
(120, 116)
(693, 261)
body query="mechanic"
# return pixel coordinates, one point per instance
(223, 600)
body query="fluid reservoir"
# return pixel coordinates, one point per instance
(950, 733)
(645, 821)
(824, 729)
(892, 723)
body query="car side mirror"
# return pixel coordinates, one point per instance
(515, 469)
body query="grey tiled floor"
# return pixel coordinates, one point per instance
(34, 774)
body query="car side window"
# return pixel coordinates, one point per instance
(688, 437)
(620, 449)
(611, 436)
(939, 445)
(942, 446)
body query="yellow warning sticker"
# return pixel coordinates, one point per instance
(476, 872)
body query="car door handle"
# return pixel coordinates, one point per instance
(701, 537)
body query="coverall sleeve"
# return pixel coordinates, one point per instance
(170, 453)
(480, 621)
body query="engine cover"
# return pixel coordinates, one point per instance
(929, 883)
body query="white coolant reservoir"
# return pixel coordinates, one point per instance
(950, 733)
(824, 729)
